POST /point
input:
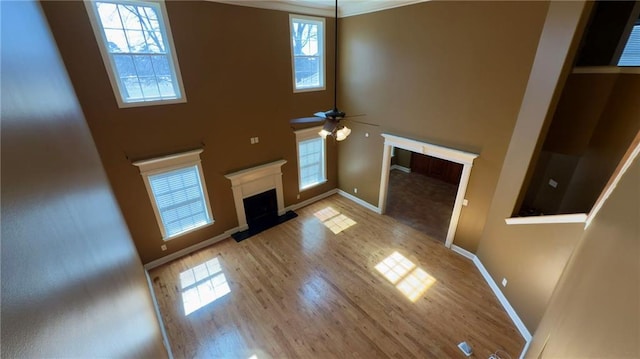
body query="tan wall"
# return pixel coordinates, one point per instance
(594, 312)
(532, 257)
(596, 118)
(619, 123)
(72, 284)
(236, 67)
(584, 97)
(448, 73)
(403, 157)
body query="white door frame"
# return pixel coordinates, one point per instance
(449, 154)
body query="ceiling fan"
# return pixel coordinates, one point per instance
(331, 118)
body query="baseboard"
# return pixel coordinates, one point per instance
(400, 168)
(183, 252)
(357, 200)
(503, 300)
(163, 331)
(463, 252)
(307, 202)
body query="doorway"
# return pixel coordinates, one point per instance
(439, 152)
(422, 191)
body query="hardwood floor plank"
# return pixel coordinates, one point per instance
(300, 291)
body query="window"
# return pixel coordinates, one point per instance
(631, 53)
(311, 158)
(135, 41)
(176, 187)
(307, 52)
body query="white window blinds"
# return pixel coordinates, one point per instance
(311, 164)
(631, 53)
(180, 200)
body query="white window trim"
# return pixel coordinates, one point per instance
(323, 58)
(308, 134)
(109, 64)
(168, 163)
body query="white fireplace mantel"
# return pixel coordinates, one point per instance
(255, 180)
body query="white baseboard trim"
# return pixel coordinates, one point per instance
(183, 252)
(400, 168)
(357, 200)
(503, 300)
(163, 331)
(307, 202)
(463, 252)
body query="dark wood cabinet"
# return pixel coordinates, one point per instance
(436, 168)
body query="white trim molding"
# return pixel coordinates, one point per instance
(400, 168)
(526, 335)
(307, 202)
(555, 218)
(324, 8)
(169, 163)
(445, 153)
(359, 201)
(183, 252)
(255, 180)
(631, 155)
(463, 252)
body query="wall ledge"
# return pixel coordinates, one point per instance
(606, 70)
(556, 218)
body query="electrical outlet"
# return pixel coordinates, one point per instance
(366, 134)
(553, 183)
(298, 196)
(163, 247)
(504, 282)
(355, 190)
(465, 202)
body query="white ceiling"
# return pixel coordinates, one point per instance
(323, 7)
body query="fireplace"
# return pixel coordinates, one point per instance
(261, 210)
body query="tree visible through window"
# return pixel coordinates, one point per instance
(135, 43)
(307, 46)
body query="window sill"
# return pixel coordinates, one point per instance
(558, 218)
(310, 89)
(166, 239)
(122, 104)
(313, 185)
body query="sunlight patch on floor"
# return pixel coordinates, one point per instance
(412, 282)
(202, 285)
(334, 220)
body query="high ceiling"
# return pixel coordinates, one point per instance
(323, 7)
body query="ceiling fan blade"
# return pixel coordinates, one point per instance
(320, 114)
(306, 120)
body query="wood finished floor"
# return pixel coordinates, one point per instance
(300, 291)
(421, 202)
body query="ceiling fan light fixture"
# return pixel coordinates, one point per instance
(324, 133)
(342, 133)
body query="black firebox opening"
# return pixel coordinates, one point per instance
(261, 211)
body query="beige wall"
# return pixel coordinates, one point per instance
(616, 129)
(532, 257)
(72, 283)
(448, 73)
(595, 311)
(236, 67)
(403, 157)
(596, 118)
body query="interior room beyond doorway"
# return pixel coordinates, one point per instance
(422, 192)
